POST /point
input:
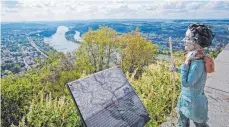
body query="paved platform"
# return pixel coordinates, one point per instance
(217, 92)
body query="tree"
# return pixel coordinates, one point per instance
(104, 48)
(98, 51)
(137, 52)
(16, 68)
(18, 90)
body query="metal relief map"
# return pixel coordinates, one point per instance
(106, 99)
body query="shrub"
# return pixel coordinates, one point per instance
(155, 90)
(45, 111)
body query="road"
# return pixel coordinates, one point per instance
(36, 47)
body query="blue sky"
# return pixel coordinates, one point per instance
(52, 10)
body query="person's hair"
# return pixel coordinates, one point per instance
(201, 34)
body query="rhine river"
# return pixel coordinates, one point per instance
(60, 43)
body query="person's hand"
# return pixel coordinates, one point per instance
(172, 67)
(187, 60)
(190, 55)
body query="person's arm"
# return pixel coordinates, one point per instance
(189, 76)
(179, 70)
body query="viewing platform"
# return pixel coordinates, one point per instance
(217, 91)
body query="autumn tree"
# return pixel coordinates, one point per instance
(137, 52)
(98, 51)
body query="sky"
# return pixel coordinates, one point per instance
(57, 10)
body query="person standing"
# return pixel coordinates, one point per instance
(192, 102)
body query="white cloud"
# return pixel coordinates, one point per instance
(29, 10)
(218, 5)
(193, 5)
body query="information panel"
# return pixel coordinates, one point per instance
(106, 99)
